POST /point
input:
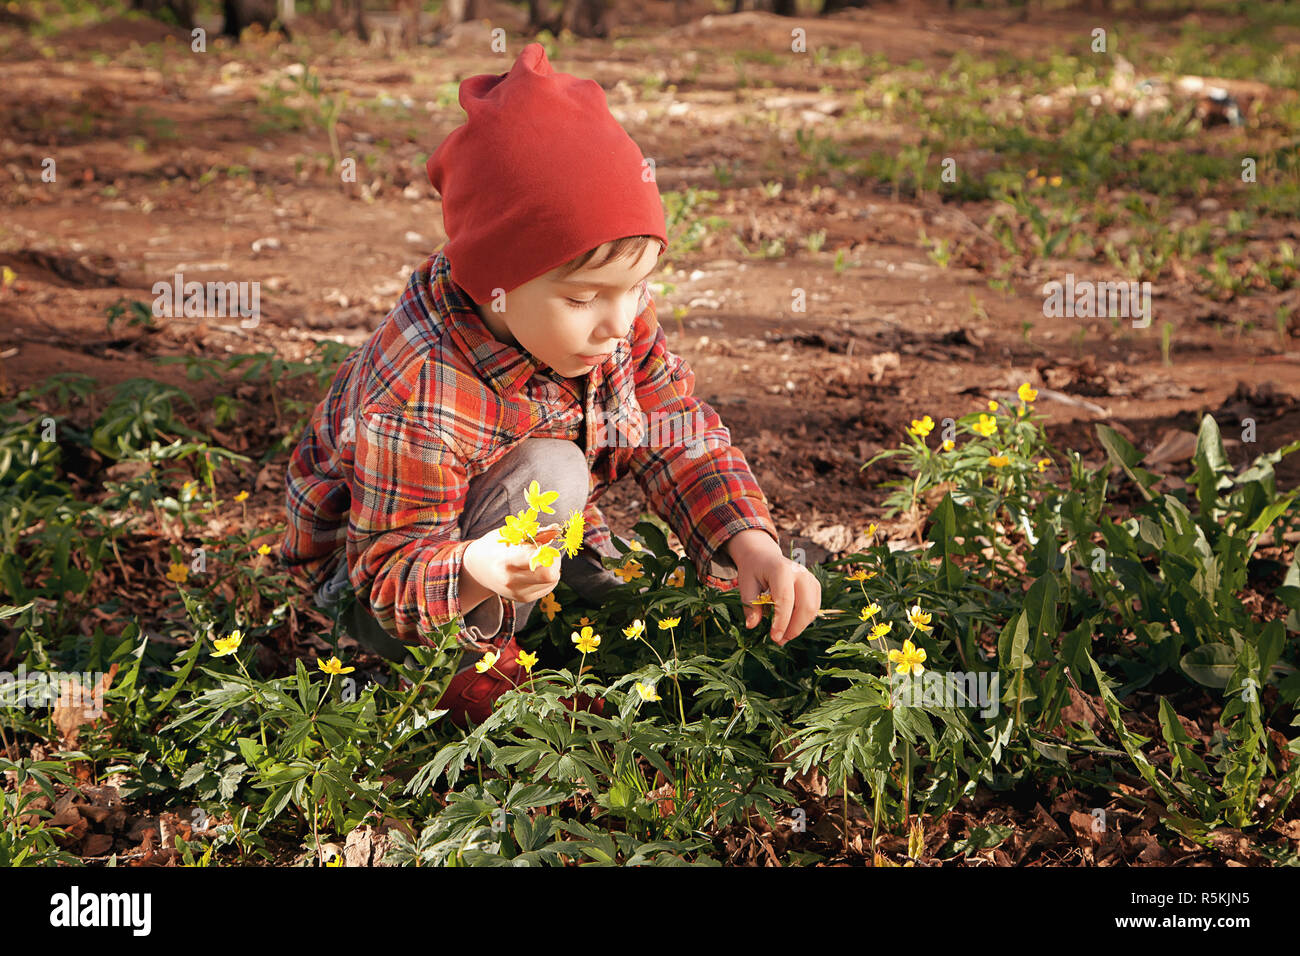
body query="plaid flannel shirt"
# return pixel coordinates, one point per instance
(433, 399)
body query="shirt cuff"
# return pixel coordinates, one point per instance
(492, 616)
(724, 523)
(488, 617)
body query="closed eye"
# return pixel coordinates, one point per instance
(586, 303)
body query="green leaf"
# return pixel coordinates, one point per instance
(1126, 457)
(982, 838)
(1211, 462)
(653, 537)
(1270, 514)
(1210, 664)
(943, 529)
(188, 660)
(1272, 638)
(8, 610)
(1013, 642)
(304, 684)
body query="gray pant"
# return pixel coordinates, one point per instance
(556, 465)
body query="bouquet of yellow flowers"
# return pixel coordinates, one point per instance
(522, 528)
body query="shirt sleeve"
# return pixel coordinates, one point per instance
(688, 469)
(404, 537)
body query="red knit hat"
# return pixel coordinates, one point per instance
(539, 173)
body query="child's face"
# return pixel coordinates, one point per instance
(565, 322)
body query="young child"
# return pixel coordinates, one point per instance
(527, 350)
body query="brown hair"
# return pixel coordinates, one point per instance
(633, 246)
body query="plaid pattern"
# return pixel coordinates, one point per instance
(433, 400)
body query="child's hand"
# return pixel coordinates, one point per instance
(796, 592)
(503, 568)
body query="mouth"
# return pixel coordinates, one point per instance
(595, 359)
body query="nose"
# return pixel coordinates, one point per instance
(616, 322)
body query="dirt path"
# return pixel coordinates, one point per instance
(169, 161)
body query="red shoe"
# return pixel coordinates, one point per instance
(471, 694)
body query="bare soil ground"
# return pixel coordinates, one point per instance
(174, 161)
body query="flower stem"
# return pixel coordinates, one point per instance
(573, 713)
(328, 686)
(907, 781)
(844, 789)
(681, 708)
(258, 694)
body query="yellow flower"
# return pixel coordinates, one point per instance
(242, 496)
(922, 427)
(177, 573)
(1027, 393)
(485, 662)
(917, 618)
(870, 611)
(908, 659)
(628, 571)
(573, 533)
(678, 578)
(669, 622)
(539, 501)
(587, 641)
(518, 527)
(986, 426)
(635, 629)
(634, 545)
(862, 575)
(1032, 173)
(1055, 180)
(948, 445)
(549, 606)
(188, 488)
(647, 691)
(334, 666)
(544, 557)
(526, 660)
(763, 598)
(1043, 463)
(264, 550)
(993, 406)
(1040, 180)
(871, 530)
(228, 645)
(880, 630)
(999, 461)
(584, 621)
(7, 276)
(337, 861)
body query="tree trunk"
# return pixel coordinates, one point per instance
(182, 10)
(461, 11)
(586, 18)
(832, 6)
(244, 13)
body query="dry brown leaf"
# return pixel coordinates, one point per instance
(97, 844)
(70, 710)
(1086, 827)
(1175, 445)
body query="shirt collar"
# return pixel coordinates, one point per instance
(503, 366)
